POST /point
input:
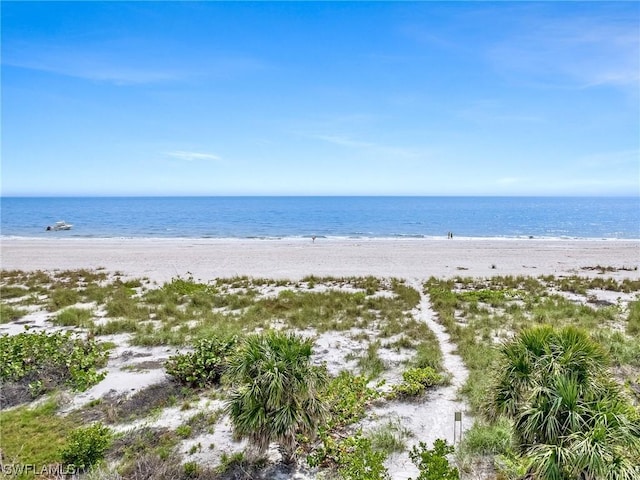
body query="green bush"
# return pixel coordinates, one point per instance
(47, 360)
(205, 365)
(86, 445)
(433, 463)
(416, 381)
(354, 457)
(347, 397)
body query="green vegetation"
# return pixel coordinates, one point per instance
(347, 397)
(205, 365)
(483, 314)
(45, 361)
(370, 364)
(217, 321)
(9, 313)
(433, 463)
(85, 446)
(76, 317)
(358, 460)
(416, 381)
(570, 418)
(389, 437)
(275, 392)
(34, 435)
(633, 319)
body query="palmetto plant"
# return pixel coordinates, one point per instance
(569, 417)
(275, 392)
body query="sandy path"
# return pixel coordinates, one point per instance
(433, 418)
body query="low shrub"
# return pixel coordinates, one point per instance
(47, 360)
(86, 445)
(433, 463)
(205, 365)
(353, 457)
(416, 381)
(347, 397)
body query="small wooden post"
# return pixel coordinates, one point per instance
(457, 419)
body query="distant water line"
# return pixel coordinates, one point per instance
(324, 217)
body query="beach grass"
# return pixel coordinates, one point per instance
(375, 313)
(34, 435)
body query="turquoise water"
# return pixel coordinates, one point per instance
(343, 217)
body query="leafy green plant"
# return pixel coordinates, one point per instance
(358, 460)
(86, 445)
(52, 359)
(205, 365)
(433, 463)
(184, 431)
(347, 397)
(416, 381)
(353, 457)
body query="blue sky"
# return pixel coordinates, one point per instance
(335, 98)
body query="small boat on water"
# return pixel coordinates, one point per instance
(61, 225)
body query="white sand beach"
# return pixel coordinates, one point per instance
(162, 259)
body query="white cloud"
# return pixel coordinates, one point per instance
(370, 147)
(508, 180)
(583, 52)
(343, 141)
(610, 159)
(104, 62)
(193, 156)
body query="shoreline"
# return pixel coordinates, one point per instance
(57, 236)
(161, 259)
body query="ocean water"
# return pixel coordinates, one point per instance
(342, 217)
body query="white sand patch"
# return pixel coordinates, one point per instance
(171, 417)
(223, 444)
(332, 348)
(33, 322)
(117, 382)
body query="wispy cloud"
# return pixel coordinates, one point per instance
(611, 159)
(508, 180)
(343, 141)
(580, 52)
(193, 156)
(105, 63)
(370, 147)
(482, 111)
